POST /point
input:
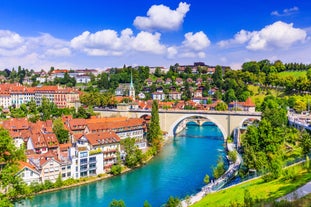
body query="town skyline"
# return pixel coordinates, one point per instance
(100, 35)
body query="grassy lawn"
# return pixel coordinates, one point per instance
(296, 74)
(259, 95)
(258, 188)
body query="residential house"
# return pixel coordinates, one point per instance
(127, 128)
(160, 96)
(141, 95)
(174, 95)
(5, 100)
(248, 105)
(168, 81)
(28, 173)
(189, 80)
(198, 93)
(149, 82)
(86, 162)
(106, 142)
(123, 89)
(159, 81)
(48, 166)
(179, 82)
(199, 81)
(211, 70)
(83, 79)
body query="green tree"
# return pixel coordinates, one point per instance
(15, 188)
(217, 77)
(147, 204)
(45, 109)
(154, 135)
(82, 113)
(233, 155)
(230, 96)
(309, 74)
(117, 203)
(221, 106)
(61, 133)
(219, 170)
(305, 142)
(134, 155)
(116, 169)
(206, 179)
(173, 202)
(59, 182)
(300, 106)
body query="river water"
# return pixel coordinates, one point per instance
(177, 171)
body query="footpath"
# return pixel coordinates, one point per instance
(298, 193)
(218, 183)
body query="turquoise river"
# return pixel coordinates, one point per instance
(177, 171)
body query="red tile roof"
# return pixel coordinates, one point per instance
(102, 138)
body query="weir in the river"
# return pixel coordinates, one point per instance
(177, 171)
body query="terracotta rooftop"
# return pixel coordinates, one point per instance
(102, 138)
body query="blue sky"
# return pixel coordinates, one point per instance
(101, 34)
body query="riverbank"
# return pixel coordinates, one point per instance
(218, 183)
(170, 173)
(259, 188)
(89, 180)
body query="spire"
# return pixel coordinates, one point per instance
(131, 85)
(132, 89)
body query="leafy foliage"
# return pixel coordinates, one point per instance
(61, 133)
(134, 155)
(117, 203)
(219, 170)
(16, 189)
(154, 135)
(173, 202)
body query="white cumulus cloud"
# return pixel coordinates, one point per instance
(9, 40)
(161, 17)
(110, 43)
(197, 41)
(148, 42)
(277, 35)
(105, 42)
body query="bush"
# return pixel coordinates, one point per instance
(233, 156)
(116, 169)
(48, 185)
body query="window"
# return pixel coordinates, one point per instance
(92, 159)
(83, 161)
(83, 154)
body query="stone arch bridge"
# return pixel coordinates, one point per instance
(170, 120)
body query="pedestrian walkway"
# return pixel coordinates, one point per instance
(218, 183)
(298, 193)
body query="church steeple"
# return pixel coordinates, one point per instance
(132, 88)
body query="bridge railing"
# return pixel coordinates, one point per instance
(184, 111)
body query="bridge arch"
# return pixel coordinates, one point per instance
(248, 118)
(172, 128)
